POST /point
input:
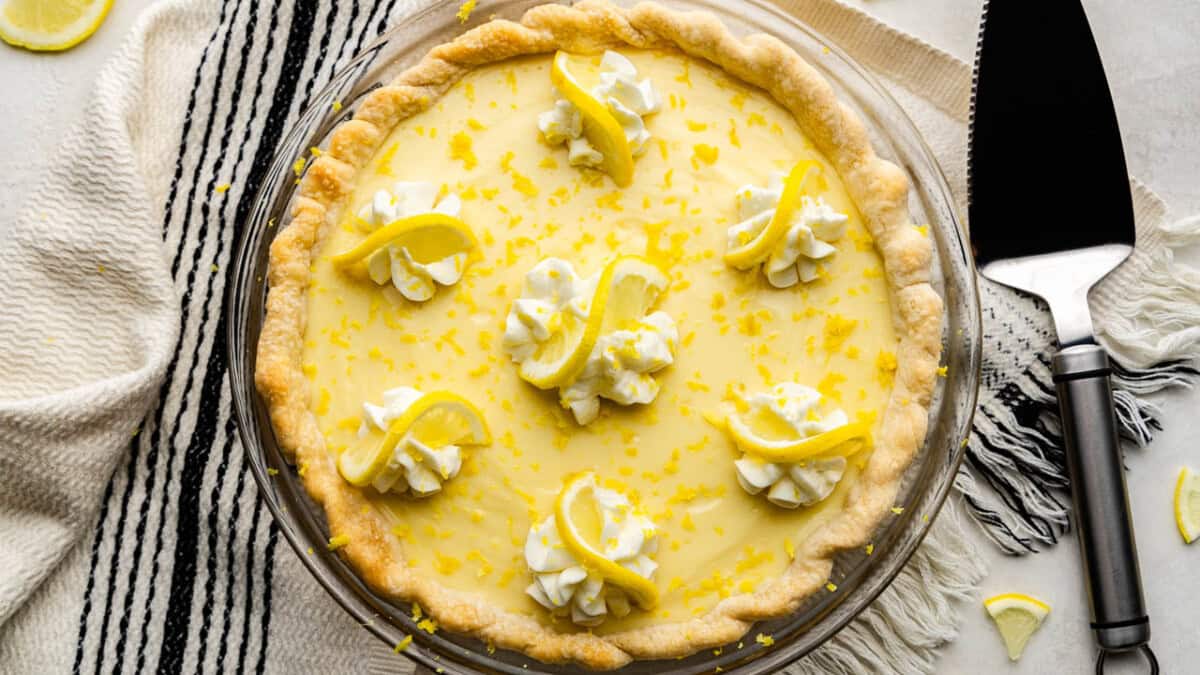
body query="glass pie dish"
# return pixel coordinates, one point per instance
(859, 577)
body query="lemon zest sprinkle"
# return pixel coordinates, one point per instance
(464, 11)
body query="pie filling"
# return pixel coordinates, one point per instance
(739, 334)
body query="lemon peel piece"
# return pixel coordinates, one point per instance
(600, 128)
(759, 248)
(1187, 504)
(641, 589)
(50, 25)
(429, 237)
(436, 419)
(1017, 617)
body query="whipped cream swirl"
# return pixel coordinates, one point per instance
(414, 467)
(628, 99)
(619, 368)
(801, 483)
(415, 281)
(808, 239)
(566, 588)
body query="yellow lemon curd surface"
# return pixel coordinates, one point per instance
(737, 333)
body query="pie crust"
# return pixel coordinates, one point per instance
(879, 189)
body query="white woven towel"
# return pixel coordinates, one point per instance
(132, 538)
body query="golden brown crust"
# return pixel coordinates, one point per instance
(879, 189)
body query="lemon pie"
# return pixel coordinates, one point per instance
(598, 334)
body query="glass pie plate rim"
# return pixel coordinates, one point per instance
(860, 578)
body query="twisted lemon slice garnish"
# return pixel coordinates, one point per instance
(437, 419)
(758, 248)
(600, 128)
(428, 237)
(764, 437)
(627, 287)
(642, 590)
(844, 441)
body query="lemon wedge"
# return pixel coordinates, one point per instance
(843, 441)
(642, 590)
(428, 237)
(1017, 617)
(600, 128)
(758, 248)
(627, 286)
(50, 25)
(436, 420)
(1187, 504)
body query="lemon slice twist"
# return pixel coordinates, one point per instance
(437, 419)
(600, 128)
(50, 25)
(627, 287)
(642, 590)
(429, 237)
(759, 248)
(1017, 617)
(844, 441)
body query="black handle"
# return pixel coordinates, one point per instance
(1081, 375)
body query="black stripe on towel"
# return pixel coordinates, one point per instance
(135, 444)
(249, 31)
(91, 580)
(183, 576)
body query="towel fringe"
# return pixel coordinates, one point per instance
(1016, 449)
(917, 610)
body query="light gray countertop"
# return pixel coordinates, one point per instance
(1152, 57)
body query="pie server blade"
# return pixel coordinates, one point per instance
(1050, 214)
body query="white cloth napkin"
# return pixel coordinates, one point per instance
(132, 537)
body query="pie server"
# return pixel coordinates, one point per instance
(1050, 214)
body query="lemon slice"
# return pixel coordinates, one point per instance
(557, 360)
(1017, 617)
(1187, 504)
(428, 237)
(600, 128)
(627, 286)
(50, 25)
(844, 441)
(437, 419)
(759, 248)
(634, 286)
(642, 590)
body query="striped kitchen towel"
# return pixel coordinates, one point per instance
(133, 538)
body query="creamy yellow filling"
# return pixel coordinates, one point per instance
(737, 333)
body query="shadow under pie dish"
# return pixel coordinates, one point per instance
(459, 202)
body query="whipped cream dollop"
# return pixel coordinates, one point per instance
(415, 281)
(620, 366)
(809, 237)
(800, 483)
(414, 467)
(628, 99)
(566, 588)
